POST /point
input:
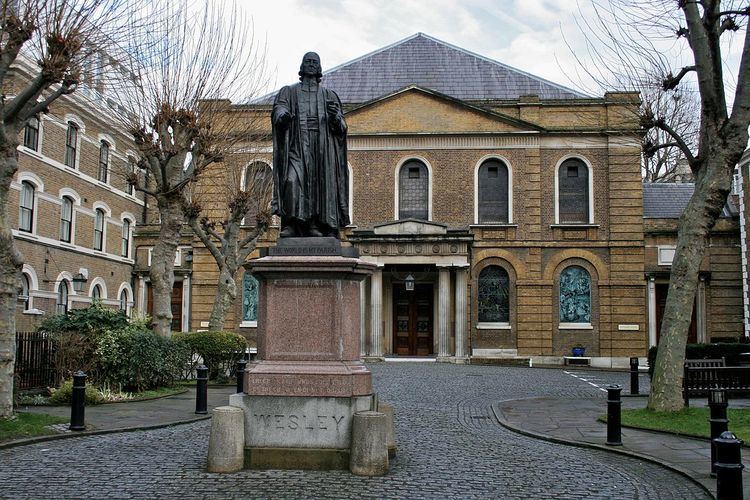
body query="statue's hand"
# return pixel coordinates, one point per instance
(283, 117)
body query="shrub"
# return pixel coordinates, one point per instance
(63, 395)
(220, 351)
(135, 358)
(93, 319)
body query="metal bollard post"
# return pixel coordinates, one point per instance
(241, 365)
(634, 389)
(78, 402)
(201, 396)
(614, 430)
(717, 402)
(728, 467)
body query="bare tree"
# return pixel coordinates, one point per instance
(243, 220)
(200, 54)
(663, 160)
(675, 45)
(44, 47)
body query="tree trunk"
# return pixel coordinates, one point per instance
(700, 215)
(11, 262)
(162, 263)
(226, 293)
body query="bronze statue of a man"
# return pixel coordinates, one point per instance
(310, 173)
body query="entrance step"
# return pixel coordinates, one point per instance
(504, 361)
(409, 359)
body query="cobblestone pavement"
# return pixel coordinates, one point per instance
(449, 446)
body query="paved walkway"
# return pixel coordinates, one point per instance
(179, 408)
(450, 445)
(575, 421)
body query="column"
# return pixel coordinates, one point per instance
(462, 277)
(362, 319)
(444, 309)
(376, 313)
(141, 305)
(186, 303)
(651, 311)
(700, 310)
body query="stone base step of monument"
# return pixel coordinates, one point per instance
(517, 361)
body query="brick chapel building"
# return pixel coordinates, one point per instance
(505, 214)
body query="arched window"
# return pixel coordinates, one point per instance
(71, 145)
(62, 298)
(575, 295)
(25, 291)
(31, 133)
(66, 219)
(258, 183)
(96, 292)
(494, 303)
(26, 215)
(573, 192)
(124, 301)
(413, 191)
(492, 190)
(103, 161)
(99, 230)
(249, 298)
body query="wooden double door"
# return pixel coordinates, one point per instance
(413, 320)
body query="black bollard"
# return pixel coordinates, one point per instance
(728, 467)
(201, 396)
(717, 402)
(614, 431)
(634, 389)
(78, 402)
(241, 364)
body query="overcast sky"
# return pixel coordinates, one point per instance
(526, 34)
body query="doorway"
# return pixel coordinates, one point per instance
(412, 320)
(661, 302)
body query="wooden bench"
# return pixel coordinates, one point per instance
(702, 375)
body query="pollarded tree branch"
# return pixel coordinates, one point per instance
(651, 149)
(661, 124)
(670, 82)
(67, 87)
(200, 231)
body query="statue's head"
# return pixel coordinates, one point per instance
(310, 66)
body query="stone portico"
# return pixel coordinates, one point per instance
(437, 258)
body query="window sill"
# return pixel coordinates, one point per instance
(493, 326)
(31, 152)
(249, 324)
(573, 225)
(575, 326)
(493, 225)
(34, 312)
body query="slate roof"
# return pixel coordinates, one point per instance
(667, 200)
(431, 63)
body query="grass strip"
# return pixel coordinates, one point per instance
(23, 425)
(688, 421)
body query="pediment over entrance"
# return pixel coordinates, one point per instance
(410, 226)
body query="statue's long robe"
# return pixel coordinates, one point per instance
(303, 191)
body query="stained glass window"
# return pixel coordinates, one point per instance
(249, 298)
(573, 192)
(575, 295)
(493, 192)
(493, 295)
(413, 191)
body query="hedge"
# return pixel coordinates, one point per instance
(220, 351)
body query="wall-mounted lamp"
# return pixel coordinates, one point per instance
(78, 281)
(409, 282)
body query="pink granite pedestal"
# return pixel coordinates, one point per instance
(308, 381)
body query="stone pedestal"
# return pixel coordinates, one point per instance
(308, 380)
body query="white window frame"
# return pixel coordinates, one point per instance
(397, 173)
(510, 188)
(587, 163)
(665, 255)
